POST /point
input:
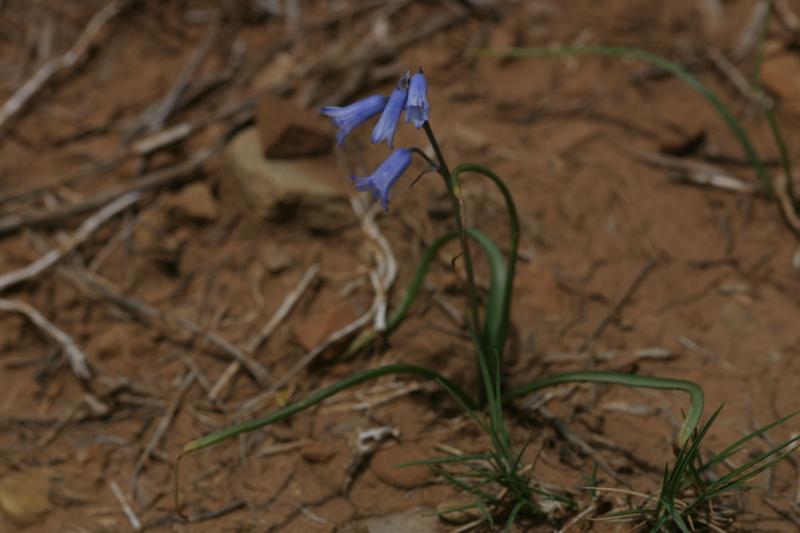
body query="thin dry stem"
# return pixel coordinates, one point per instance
(71, 58)
(89, 226)
(75, 356)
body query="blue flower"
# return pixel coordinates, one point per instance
(387, 124)
(417, 104)
(384, 177)
(349, 117)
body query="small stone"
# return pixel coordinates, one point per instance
(276, 258)
(736, 317)
(780, 75)
(317, 452)
(306, 190)
(337, 510)
(195, 202)
(385, 466)
(288, 131)
(315, 328)
(418, 520)
(275, 74)
(24, 496)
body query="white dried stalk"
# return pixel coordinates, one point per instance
(74, 355)
(74, 55)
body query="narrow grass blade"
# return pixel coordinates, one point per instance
(498, 313)
(323, 394)
(629, 380)
(497, 284)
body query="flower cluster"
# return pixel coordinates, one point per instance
(411, 95)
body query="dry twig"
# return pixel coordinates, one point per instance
(86, 229)
(72, 57)
(695, 172)
(163, 319)
(280, 314)
(154, 117)
(161, 178)
(74, 355)
(162, 428)
(283, 310)
(621, 303)
(126, 507)
(257, 402)
(749, 36)
(789, 19)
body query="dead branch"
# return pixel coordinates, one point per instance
(163, 319)
(71, 58)
(153, 119)
(74, 355)
(162, 428)
(694, 171)
(89, 226)
(789, 19)
(749, 36)
(257, 402)
(130, 514)
(284, 309)
(167, 177)
(280, 314)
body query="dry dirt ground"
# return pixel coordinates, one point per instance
(623, 266)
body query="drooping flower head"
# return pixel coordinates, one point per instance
(387, 124)
(417, 104)
(349, 117)
(381, 181)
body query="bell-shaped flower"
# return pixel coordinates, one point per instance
(417, 103)
(349, 117)
(387, 124)
(381, 181)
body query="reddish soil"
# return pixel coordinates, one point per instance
(719, 299)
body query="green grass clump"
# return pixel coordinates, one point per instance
(503, 489)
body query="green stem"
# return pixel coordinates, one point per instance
(323, 394)
(629, 380)
(497, 284)
(457, 199)
(504, 314)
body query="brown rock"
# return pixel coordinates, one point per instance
(317, 452)
(274, 75)
(319, 325)
(736, 317)
(307, 190)
(194, 202)
(337, 510)
(276, 258)
(385, 465)
(781, 76)
(289, 131)
(23, 496)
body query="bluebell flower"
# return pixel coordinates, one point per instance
(387, 124)
(417, 104)
(384, 177)
(349, 117)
